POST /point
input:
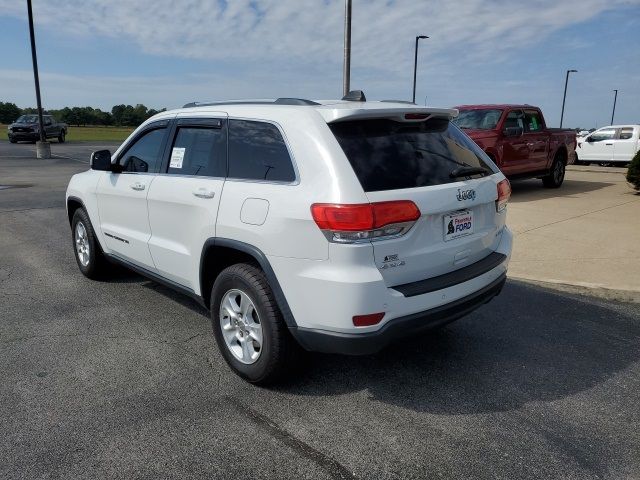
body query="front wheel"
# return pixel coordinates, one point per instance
(61, 136)
(556, 176)
(12, 140)
(248, 326)
(88, 253)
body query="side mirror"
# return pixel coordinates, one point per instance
(589, 139)
(101, 160)
(513, 131)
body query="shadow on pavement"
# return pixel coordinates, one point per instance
(527, 190)
(527, 345)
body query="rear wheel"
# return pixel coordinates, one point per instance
(248, 326)
(61, 136)
(89, 256)
(556, 175)
(12, 140)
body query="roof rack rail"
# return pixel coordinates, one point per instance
(295, 101)
(355, 96)
(399, 101)
(279, 101)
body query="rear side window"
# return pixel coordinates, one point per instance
(199, 151)
(390, 155)
(257, 152)
(533, 121)
(626, 133)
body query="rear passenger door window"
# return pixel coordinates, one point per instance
(533, 121)
(626, 133)
(257, 151)
(199, 150)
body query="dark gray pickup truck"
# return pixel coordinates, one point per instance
(26, 128)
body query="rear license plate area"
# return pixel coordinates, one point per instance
(458, 224)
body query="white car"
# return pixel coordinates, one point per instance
(616, 144)
(335, 226)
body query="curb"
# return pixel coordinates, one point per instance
(627, 296)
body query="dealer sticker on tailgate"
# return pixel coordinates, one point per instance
(458, 224)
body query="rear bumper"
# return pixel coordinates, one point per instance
(371, 342)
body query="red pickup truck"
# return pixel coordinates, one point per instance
(518, 141)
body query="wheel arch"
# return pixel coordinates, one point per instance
(562, 150)
(73, 204)
(220, 253)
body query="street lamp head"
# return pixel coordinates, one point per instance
(423, 37)
(572, 71)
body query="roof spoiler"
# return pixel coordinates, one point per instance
(408, 114)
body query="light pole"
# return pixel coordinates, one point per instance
(564, 98)
(415, 65)
(43, 149)
(346, 67)
(615, 98)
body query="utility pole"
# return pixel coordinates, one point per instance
(415, 66)
(43, 148)
(564, 98)
(615, 98)
(346, 68)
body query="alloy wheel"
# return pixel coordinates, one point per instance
(241, 326)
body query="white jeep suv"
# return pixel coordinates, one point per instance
(335, 226)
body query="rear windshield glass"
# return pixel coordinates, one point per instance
(389, 155)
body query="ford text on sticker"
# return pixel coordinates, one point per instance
(177, 156)
(458, 225)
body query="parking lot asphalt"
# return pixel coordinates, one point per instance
(121, 379)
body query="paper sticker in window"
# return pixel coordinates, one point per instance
(177, 156)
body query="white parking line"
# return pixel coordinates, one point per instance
(69, 158)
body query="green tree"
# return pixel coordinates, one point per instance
(9, 112)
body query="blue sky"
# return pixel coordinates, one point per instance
(164, 53)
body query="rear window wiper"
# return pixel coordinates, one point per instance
(467, 171)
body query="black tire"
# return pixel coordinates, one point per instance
(61, 136)
(581, 162)
(97, 266)
(279, 351)
(556, 175)
(13, 140)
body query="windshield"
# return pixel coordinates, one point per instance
(390, 155)
(27, 119)
(485, 119)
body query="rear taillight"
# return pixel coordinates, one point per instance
(367, 320)
(365, 221)
(504, 193)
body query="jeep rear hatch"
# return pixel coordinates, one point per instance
(434, 165)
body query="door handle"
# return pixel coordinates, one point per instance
(204, 193)
(608, 144)
(138, 186)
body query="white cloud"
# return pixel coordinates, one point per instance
(294, 48)
(310, 31)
